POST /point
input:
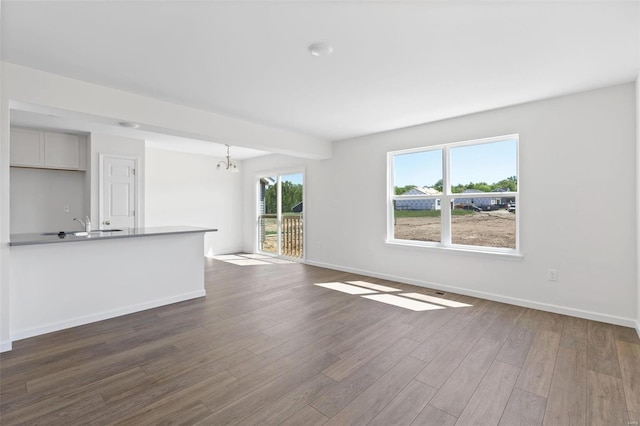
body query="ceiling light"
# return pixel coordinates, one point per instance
(230, 166)
(129, 124)
(320, 49)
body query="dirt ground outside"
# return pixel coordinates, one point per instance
(491, 229)
(291, 238)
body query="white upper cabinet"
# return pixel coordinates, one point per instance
(49, 150)
(61, 150)
(27, 148)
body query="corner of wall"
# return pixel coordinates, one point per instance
(638, 205)
(5, 306)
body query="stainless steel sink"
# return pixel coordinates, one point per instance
(56, 233)
(81, 233)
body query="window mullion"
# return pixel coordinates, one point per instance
(445, 207)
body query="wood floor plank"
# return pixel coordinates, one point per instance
(455, 393)
(568, 393)
(89, 372)
(431, 416)
(317, 328)
(445, 333)
(373, 400)
(574, 334)
(629, 358)
(504, 323)
(339, 395)
(425, 326)
(153, 388)
(220, 398)
(256, 362)
(33, 404)
(438, 371)
(406, 406)
(173, 414)
(524, 409)
(68, 413)
(537, 370)
(240, 408)
(626, 334)
(490, 398)
(517, 346)
(353, 359)
(164, 408)
(605, 400)
(550, 321)
(291, 403)
(601, 349)
(307, 416)
(186, 359)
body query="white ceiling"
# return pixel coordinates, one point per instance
(394, 64)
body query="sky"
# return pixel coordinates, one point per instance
(490, 163)
(295, 178)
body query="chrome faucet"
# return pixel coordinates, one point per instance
(86, 223)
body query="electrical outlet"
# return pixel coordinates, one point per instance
(66, 209)
(552, 275)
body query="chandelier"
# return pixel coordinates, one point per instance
(228, 165)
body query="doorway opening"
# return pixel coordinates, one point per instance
(281, 215)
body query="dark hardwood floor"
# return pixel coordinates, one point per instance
(267, 347)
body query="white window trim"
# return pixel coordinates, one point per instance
(447, 196)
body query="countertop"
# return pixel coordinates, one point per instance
(31, 239)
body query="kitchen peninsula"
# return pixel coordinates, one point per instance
(63, 281)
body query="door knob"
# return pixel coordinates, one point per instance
(106, 222)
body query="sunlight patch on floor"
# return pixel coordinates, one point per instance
(438, 300)
(251, 259)
(277, 260)
(402, 302)
(247, 262)
(380, 293)
(346, 288)
(373, 286)
(256, 256)
(228, 257)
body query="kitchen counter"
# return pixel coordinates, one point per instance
(52, 237)
(56, 286)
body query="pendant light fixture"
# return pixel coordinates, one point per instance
(228, 165)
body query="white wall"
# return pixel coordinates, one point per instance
(38, 198)
(5, 334)
(638, 202)
(108, 144)
(577, 207)
(187, 189)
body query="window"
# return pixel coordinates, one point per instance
(460, 195)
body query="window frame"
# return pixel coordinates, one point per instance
(447, 197)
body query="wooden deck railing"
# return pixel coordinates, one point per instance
(292, 238)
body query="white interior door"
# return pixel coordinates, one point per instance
(118, 200)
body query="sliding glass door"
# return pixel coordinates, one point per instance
(280, 215)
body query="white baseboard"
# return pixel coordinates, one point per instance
(638, 326)
(595, 316)
(5, 346)
(74, 322)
